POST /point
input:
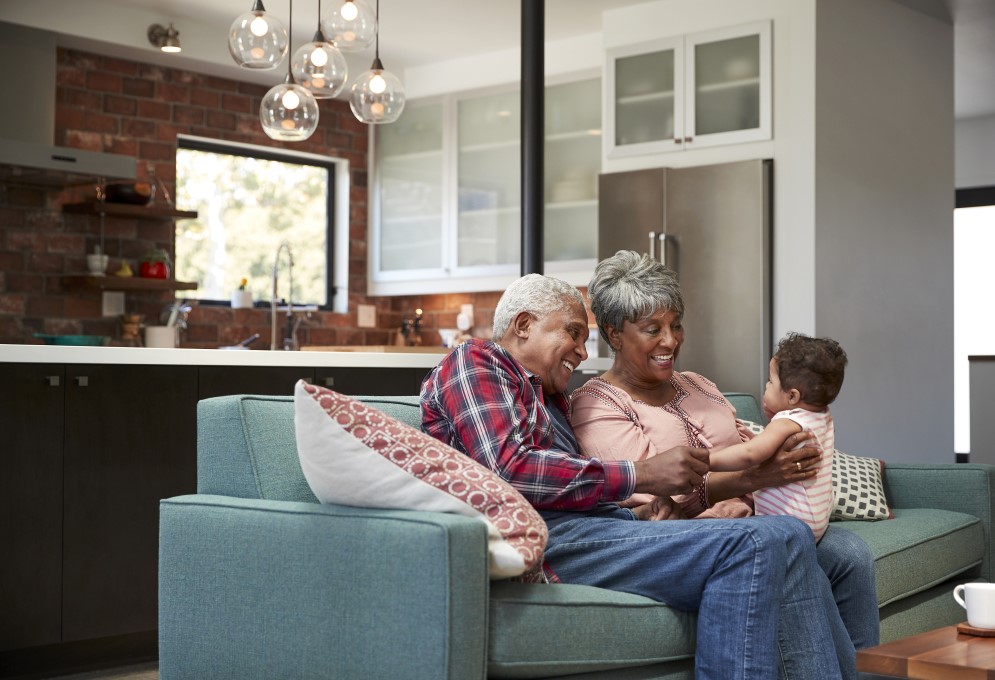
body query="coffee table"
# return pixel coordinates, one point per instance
(941, 654)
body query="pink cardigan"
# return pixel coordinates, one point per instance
(611, 425)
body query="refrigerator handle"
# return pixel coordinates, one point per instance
(652, 253)
(662, 238)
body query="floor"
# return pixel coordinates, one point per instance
(145, 671)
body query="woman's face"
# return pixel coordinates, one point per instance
(647, 349)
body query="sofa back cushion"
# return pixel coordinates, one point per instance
(246, 445)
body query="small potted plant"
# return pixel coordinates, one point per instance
(155, 265)
(240, 297)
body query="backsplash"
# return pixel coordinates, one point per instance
(125, 107)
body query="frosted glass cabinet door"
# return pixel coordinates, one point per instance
(729, 75)
(489, 193)
(572, 163)
(411, 190)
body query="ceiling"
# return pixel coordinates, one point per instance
(415, 33)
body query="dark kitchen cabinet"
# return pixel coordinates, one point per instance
(31, 414)
(129, 442)
(219, 381)
(371, 381)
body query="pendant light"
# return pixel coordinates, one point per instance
(377, 95)
(257, 39)
(319, 65)
(289, 112)
(353, 26)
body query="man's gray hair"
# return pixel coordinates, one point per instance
(536, 294)
(629, 287)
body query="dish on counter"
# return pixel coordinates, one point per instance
(79, 340)
(132, 193)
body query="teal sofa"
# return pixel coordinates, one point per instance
(258, 580)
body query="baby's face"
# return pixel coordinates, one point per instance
(775, 399)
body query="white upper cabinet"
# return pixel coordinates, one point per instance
(445, 192)
(685, 92)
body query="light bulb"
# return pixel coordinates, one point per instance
(376, 108)
(377, 84)
(259, 27)
(318, 57)
(349, 11)
(291, 100)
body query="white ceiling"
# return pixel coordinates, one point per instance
(423, 32)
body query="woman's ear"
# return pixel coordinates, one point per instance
(522, 324)
(614, 338)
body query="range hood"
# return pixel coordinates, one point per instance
(27, 119)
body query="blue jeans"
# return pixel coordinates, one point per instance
(765, 610)
(848, 563)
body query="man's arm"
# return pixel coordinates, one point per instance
(754, 451)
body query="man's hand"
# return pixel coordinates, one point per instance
(660, 508)
(786, 466)
(675, 471)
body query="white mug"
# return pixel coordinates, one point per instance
(979, 601)
(160, 336)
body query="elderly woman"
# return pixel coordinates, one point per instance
(642, 406)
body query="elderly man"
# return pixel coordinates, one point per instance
(502, 402)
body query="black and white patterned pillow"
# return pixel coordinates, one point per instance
(754, 428)
(858, 490)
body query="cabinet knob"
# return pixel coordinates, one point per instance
(82, 381)
(52, 380)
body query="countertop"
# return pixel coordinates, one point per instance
(63, 354)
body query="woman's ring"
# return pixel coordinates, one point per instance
(798, 465)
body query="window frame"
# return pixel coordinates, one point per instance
(336, 210)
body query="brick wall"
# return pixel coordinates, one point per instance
(125, 107)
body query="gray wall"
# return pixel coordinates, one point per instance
(884, 224)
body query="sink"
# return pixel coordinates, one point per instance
(420, 349)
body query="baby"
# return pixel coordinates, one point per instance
(805, 376)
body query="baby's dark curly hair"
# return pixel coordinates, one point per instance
(813, 366)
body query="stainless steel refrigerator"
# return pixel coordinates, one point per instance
(712, 226)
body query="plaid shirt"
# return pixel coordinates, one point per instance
(480, 401)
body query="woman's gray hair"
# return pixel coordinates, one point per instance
(628, 287)
(536, 294)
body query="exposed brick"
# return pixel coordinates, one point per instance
(82, 307)
(12, 262)
(154, 109)
(70, 117)
(47, 264)
(126, 146)
(206, 98)
(223, 84)
(155, 151)
(104, 82)
(138, 87)
(221, 120)
(79, 99)
(188, 115)
(88, 141)
(172, 92)
(167, 132)
(235, 103)
(144, 129)
(12, 303)
(44, 306)
(26, 241)
(65, 243)
(86, 61)
(120, 105)
(122, 66)
(99, 122)
(152, 72)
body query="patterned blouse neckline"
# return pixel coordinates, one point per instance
(679, 393)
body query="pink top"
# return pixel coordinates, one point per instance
(811, 500)
(611, 425)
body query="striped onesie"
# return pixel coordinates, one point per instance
(811, 500)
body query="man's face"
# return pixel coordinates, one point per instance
(552, 347)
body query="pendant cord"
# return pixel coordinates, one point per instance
(290, 43)
(376, 49)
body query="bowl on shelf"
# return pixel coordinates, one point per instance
(133, 193)
(79, 340)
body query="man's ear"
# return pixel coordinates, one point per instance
(522, 325)
(794, 396)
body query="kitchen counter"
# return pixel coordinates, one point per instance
(65, 354)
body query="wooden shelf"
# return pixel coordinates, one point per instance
(124, 283)
(142, 212)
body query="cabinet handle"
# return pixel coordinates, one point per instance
(677, 140)
(329, 381)
(52, 380)
(688, 140)
(82, 381)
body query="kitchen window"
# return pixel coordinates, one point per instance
(249, 200)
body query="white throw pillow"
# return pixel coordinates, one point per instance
(353, 454)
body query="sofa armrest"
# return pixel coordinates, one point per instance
(253, 588)
(960, 488)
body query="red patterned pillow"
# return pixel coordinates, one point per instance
(353, 454)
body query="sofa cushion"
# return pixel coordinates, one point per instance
(919, 548)
(543, 631)
(353, 454)
(858, 490)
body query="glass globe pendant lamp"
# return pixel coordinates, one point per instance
(289, 112)
(319, 66)
(377, 95)
(352, 26)
(257, 39)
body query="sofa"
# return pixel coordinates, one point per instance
(258, 580)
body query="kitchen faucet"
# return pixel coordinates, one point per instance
(288, 342)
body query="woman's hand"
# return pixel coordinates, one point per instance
(660, 508)
(786, 466)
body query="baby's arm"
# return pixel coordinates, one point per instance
(754, 451)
